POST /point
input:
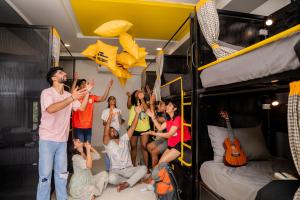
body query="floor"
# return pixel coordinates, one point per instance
(138, 192)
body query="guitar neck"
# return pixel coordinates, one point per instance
(229, 130)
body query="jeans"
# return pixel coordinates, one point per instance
(52, 154)
(83, 134)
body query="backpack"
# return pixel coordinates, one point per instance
(165, 185)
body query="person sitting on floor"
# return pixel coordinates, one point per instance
(159, 145)
(116, 121)
(173, 126)
(83, 185)
(121, 173)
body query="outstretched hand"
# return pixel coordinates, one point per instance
(88, 146)
(150, 113)
(141, 95)
(77, 94)
(110, 83)
(138, 109)
(90, 85)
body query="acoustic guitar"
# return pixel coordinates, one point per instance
(234, 155)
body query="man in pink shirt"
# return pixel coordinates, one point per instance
(56, 107)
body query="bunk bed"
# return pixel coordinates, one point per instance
(265, 67)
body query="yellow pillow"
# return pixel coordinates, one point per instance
(142, 53)
(141, 62)
(126, 59)
(122, 81)
(91, 51)
(106, 55)
(120, 72)
(113, 28)
(129, 45)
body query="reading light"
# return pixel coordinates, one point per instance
(158, 48)
(67, 45)
(275, 103)
(269, 22)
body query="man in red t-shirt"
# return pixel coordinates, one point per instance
(82, 121)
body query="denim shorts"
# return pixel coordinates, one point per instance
(83, 134)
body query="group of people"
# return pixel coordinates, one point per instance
(123, 171)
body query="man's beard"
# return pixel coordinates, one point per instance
(63, 80)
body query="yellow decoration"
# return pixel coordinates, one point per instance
(91, 51)
(122, 81)
(129, 45)
(120, 72)
(141, 62)
(113, 28)
(126, 59)
(142, 52)
(106, 54)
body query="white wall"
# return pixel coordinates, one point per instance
(87, 70)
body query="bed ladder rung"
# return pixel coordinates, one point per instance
(186, 124)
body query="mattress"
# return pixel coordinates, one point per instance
(241, 182)
(260, 60)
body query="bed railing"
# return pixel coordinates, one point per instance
(182, 104)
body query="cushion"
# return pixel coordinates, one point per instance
(106, 55)
(251, 140)
(129, 45)
(113, 28)
(126, 59)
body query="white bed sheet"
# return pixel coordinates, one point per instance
(241, 182)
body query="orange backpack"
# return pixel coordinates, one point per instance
(165, 185)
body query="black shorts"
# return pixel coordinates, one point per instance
(178, 146)
(138, 133)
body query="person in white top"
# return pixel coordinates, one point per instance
(118, 119)
(122, 173)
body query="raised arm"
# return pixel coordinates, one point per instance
(76, 94)
(138, 110)
(104, 96)
(89, 87)
(167, 135)
(128, 100)
(158, 125)
(89, 160)
(152, 103)
(74, 82)
(106, 137)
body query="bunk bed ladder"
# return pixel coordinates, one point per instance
(182, 104)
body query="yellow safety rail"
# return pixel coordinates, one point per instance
(182, 104)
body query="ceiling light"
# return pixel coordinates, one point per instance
(159, 49)
(67, 45)
(269, 22)
(274, 81)
(275, 103)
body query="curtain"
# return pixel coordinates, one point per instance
(159, 63)
(209, 23)
(294, 126)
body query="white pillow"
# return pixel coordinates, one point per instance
(251, 140)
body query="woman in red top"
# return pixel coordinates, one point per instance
(173, 134)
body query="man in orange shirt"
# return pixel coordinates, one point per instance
(82, 121)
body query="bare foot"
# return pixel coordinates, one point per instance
(122, 186)
(148, 180)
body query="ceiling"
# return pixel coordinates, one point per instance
(154, 22)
